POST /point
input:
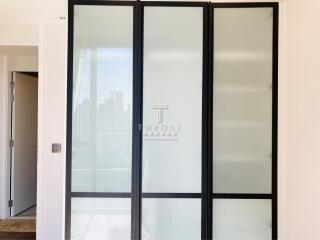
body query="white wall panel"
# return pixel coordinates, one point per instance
(302, 118)
(3, 136)
(52, 129)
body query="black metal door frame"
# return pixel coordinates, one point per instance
(206, 194)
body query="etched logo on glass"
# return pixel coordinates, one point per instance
(161, 130)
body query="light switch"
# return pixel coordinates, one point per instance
(56, 147)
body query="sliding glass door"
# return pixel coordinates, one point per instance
(244, 116)
(172, 113)
(172, 121)
(101, 154)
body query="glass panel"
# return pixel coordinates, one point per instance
(171, 219)
(172, 99)
(242, 116)
(242, 219)
(105, 219)
(102, 99)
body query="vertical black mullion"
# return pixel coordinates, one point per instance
(210, 119)
(275, 122)
(206, 206)
(69, 121)
(204, 200)
(137, 121)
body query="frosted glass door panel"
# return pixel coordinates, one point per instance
(102, 99)
(242, 219)
(100, 219)
(172, 99)
(171, 219)
(242, 117)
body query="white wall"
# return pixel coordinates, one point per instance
(3, 135)
(19, 19)
(22, 64)
(39, 23)
(18, 33)
(32, 11)
(52, 129)
(302, 112)
(52, 110)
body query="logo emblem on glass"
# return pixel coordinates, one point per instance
(161, 130)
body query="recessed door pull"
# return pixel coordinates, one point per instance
(56, 148)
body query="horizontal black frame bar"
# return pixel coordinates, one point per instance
(242, 196)
(171, 195)
(174, 4)
(244, 5)
(102, 2)
(143, 3)
(100, 195)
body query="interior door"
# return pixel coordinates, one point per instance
(102, 122)
(244, 120)
(24, 134)
(172, 122)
